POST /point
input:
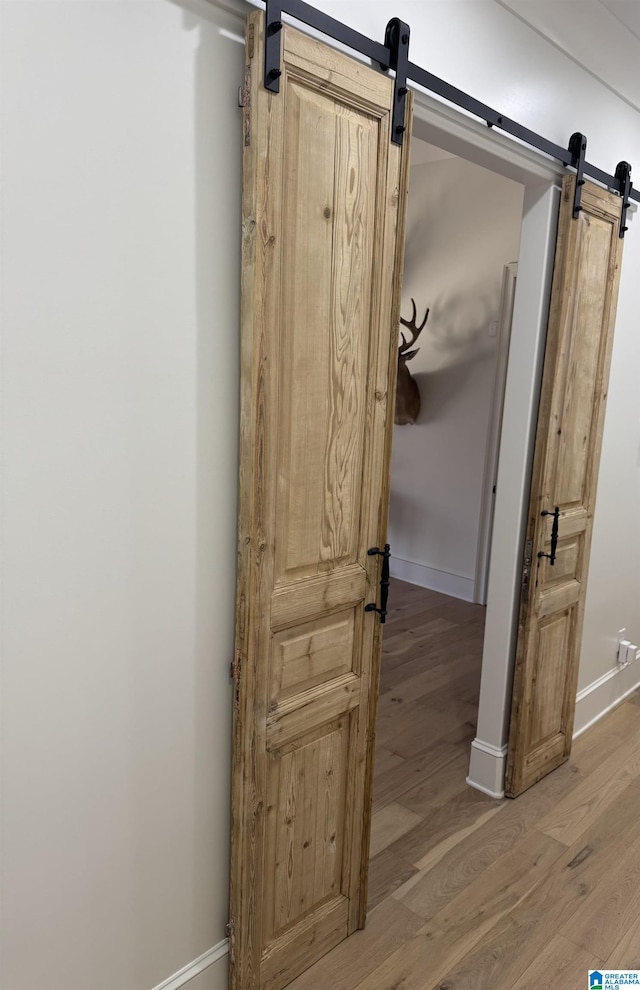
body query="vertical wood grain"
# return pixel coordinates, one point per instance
(323, 208)
(565, 471)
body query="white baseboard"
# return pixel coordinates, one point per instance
(197, 966)
(597, 699)
(487, 768)
(488, 763)
(432, 578)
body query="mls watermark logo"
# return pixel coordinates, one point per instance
(614, 979)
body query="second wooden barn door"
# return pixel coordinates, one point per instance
(565, 474)
(323, 215)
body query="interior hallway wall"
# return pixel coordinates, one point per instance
(463, 227)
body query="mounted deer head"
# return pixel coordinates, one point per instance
(407, 393)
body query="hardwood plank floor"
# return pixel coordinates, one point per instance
(469, 893)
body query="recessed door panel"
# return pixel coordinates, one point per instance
(574, 405)
(312, 653)
(548, 694)
(330, 174)
(305, 826)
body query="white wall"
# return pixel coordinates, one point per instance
(463, 226)
(120, 323)
(613, 595)
(121, 279)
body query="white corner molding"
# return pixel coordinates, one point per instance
(432, 578)
(487, 768)
(597, 699)
(196, 967)
(488, 763)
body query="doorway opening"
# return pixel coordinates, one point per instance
(492, 568)
(462, 243)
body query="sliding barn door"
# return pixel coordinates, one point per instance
(565, 475)
(323, 223)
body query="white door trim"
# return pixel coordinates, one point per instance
(526, 354)
(461, 134)
(494, 429)
(449, 128)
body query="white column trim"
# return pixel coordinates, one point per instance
(494, 431)
(487, 768)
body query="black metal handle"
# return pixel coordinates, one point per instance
(554, 534)
(384, 581)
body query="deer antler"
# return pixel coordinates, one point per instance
(413, 327)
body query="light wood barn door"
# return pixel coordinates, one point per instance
(565, 474)
(323, 225)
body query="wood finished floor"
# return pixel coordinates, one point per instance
(469, 893)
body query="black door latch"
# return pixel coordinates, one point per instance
(554, 535)
(384, 581)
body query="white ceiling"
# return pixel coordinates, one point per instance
(601, 35)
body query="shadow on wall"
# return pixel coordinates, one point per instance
(457, 336)
(463, 226)
(444, 225)
(217, 38)
(455, 340)
(439, 390)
